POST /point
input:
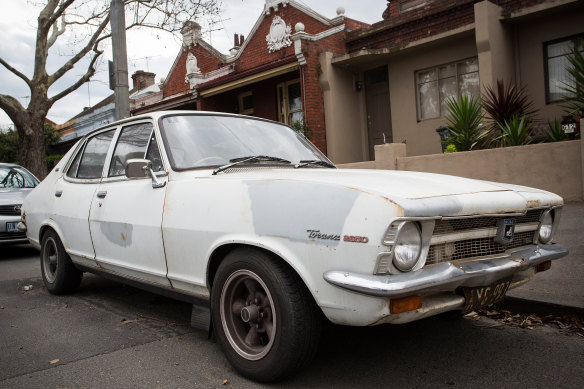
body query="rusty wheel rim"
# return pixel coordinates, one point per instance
(247, 315)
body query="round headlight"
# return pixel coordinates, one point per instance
(408, 246)
(546, 227)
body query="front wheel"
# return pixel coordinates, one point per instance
(264, 317)
(59, 274)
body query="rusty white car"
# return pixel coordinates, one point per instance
(249, 222)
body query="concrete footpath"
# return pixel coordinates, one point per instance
(563, 284)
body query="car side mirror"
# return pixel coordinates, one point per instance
(142, 168)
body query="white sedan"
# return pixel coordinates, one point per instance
(249, 222)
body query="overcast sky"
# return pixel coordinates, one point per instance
(147, 50)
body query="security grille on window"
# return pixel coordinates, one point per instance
(436, 85)
(289, 102)
(556, 61)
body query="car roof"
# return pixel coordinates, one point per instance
(159, 114)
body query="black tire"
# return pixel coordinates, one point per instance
(59, 274)
(286, 321)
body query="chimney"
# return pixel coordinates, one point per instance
(142, 79)
(235, 40)
(241, 40)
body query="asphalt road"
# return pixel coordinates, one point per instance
(113, 336)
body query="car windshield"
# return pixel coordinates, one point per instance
(195, 141)
(16, 177)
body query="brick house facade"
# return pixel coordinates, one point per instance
(355, 85)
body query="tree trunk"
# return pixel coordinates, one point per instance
(31, 153)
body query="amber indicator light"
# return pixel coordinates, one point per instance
(543, 266)
(405, 304)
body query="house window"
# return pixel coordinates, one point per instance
(245, 103)
(436, 85)
(556, 60)
(289, 102)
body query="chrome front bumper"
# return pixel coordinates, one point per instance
(447, 276)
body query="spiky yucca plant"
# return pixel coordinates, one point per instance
(515, 132)
(575, 92)
(464, 118)
(506, 101)
(555, 132)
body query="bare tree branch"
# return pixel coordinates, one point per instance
(16, 72)
(56, 32)
(59, 11)
(12, 107)
(92, 44)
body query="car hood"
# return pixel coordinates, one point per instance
(13, 196)
(417, 193)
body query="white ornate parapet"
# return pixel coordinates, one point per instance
(274, 4)
(197, 79)
(279, 36)
(301, 35)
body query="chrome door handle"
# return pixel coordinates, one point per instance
(58, 193)
(101, 194)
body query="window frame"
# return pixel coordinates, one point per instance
(287, 115)
(546, 77)
(116, 142)
(240, 98)
(437, 69)
(81, 150)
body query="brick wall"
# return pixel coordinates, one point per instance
(206, 61)
(313, 99)
(256, 52)
(435, 17)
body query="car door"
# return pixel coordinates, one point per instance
(126, 214)
(73, 195)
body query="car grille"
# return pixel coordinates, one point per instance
(8, 210)
(12, 235)
(469, 246)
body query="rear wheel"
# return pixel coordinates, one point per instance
(263, 316)
(59, 274)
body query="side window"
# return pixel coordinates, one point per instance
(132, 143)
(91, 164)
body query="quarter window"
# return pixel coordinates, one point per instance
(436, 85)
(93, 158)
(556, 61)
(132, 143)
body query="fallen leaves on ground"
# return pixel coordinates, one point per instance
(54, 361)
(567, 324)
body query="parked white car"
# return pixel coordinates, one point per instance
(250, 223)
(15, 184)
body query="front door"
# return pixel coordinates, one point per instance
(378, 108)
(126, 214)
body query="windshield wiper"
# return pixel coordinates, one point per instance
(253, 159)
(314, 162)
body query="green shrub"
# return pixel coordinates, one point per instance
(516, 132)
(450, 149)
(555, 133)
(464, 118)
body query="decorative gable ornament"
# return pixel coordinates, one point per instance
(279, 36)
(193, 71)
